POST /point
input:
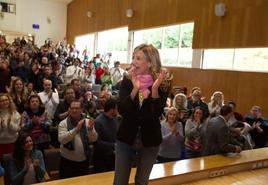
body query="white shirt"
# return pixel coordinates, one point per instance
(50, 103)
(29, 177)
(9, 132)
(73, 72)
(66, 136)
(117, 74)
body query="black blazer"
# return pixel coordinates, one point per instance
(145, 118)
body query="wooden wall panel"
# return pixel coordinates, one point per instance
(107, 14)
(253, 90)
(155, 13)
(77, 21)
(245, 24)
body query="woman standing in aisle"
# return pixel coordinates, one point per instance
(142, 100)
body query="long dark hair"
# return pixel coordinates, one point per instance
(19, 152)
(198, 108)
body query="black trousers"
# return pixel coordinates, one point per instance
(70, 168)
(103, 163)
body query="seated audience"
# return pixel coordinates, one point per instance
(37, 122)
(117, 73)
(76, 85)
(5, 75)
(180, 103)
(105, 95)
(218, 134)
(30, 90)
(27, 165)
(106, 125)
(215, 104)
(192, 91)
(75, 135)
(236, 115)
(196, 101)
(259, 124)
(172, 132)
(62, 110)
(9, 124)
(240, 135)
(49, 98)
(90, 74)
(74, 71)
(195, 133)
(47, 73)
(178, 89)
(18, 92)
(89, 105)
(34, 76)
(106, 77)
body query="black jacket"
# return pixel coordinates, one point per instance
(145, 118)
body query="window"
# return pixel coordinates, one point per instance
(151, 36)
(7, 7)
(218, 59)
(174, 43)
(113, 42)
(249, 59)
(85, 45)
(186, 39)
(254, 59)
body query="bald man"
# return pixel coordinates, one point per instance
(49, 98)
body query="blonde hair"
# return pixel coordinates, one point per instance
(13, 93)
(12, 108)
(213, 98)
(184, 101)
(170, 110)
(153, 57)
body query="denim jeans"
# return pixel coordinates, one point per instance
(125, 156)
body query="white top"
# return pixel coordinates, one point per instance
(50, 103)
(214, 110)
(66, 136)
(117, 74)
(29, 178)
(9, 129)
(74, 72)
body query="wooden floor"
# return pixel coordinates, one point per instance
(185, 171)
(253, 177)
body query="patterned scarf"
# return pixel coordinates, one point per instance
(84, 137)
(145, 82)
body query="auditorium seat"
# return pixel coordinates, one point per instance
(52, 162)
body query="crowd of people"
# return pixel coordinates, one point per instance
(49, 100)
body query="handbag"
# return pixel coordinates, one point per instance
(194, 144)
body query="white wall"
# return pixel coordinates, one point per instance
(30, 12)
